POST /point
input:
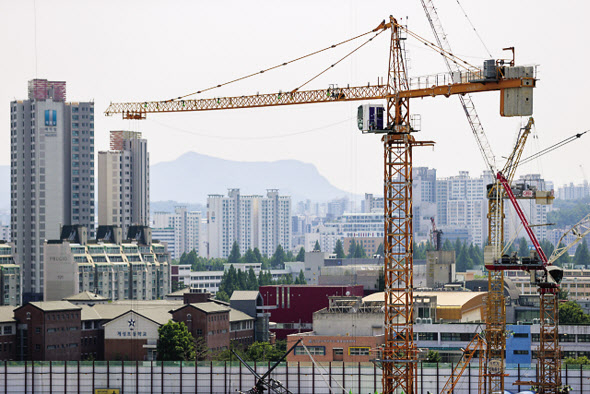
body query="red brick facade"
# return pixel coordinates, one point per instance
(52, 334)
(334, 348)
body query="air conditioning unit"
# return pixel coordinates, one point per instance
(428, 320)
(536, 320)
(418, 320)
(519, 323)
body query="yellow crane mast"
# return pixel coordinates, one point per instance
(399, 358)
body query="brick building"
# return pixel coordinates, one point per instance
(206, 319)
(7, 333)
(51, 331)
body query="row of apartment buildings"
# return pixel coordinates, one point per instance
(253, 221)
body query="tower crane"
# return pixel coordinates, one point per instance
(399, 356)
(495, 305)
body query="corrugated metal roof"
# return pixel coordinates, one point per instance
(443, 298)
(243, 295)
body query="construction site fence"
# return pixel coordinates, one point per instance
(230, 377)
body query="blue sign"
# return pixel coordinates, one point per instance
(50, 117)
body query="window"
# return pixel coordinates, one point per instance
(427, 336)
(358, 351)
(7, 330)
(338, 351)
(313, 350)
(520, 335)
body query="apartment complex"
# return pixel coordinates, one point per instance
(461, 202)
(136, 269)
(180, 230)
(251, 221)
(123, 182)
(52, 173)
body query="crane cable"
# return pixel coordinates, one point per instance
(451, 57)
(474, 29)
(278, 65)
(341, 59)
(553, 147)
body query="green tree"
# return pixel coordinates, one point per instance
(547, 247)
(301, 255)
(264, 278)
(316, 247)
(447, 245)
(249, 257)
(563, 294)
(234, 255)
(351, 249)
(251, 281)
(571, 313)
(175, 342)
(258, 256)
(222, 296)
(201, 349)
(380, 250)
(433, 357)
(301, 279)
(582, 256)
(359, 251)
(278, 258)
(523, 248)
(229, 281)
(582, 360)
(339, 250)
(241, 282)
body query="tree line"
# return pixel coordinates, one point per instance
(252, 256)
(235, 279)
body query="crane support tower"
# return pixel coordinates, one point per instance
(399, 355)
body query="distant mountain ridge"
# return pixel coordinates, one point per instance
(193, 176)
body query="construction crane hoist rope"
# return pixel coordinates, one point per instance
(399, 355)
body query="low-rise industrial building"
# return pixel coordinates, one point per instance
(291, 307)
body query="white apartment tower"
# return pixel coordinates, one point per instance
(52, 173)
(462, 203)
(180, 230)
(123, 181)
(253, 221)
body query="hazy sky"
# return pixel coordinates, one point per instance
(150, 50)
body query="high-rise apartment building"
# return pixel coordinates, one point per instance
(536, 213)
(123, 182)
(180, 230)
(52, 173)
(252, 221)
(424, 203)
(462, 204)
